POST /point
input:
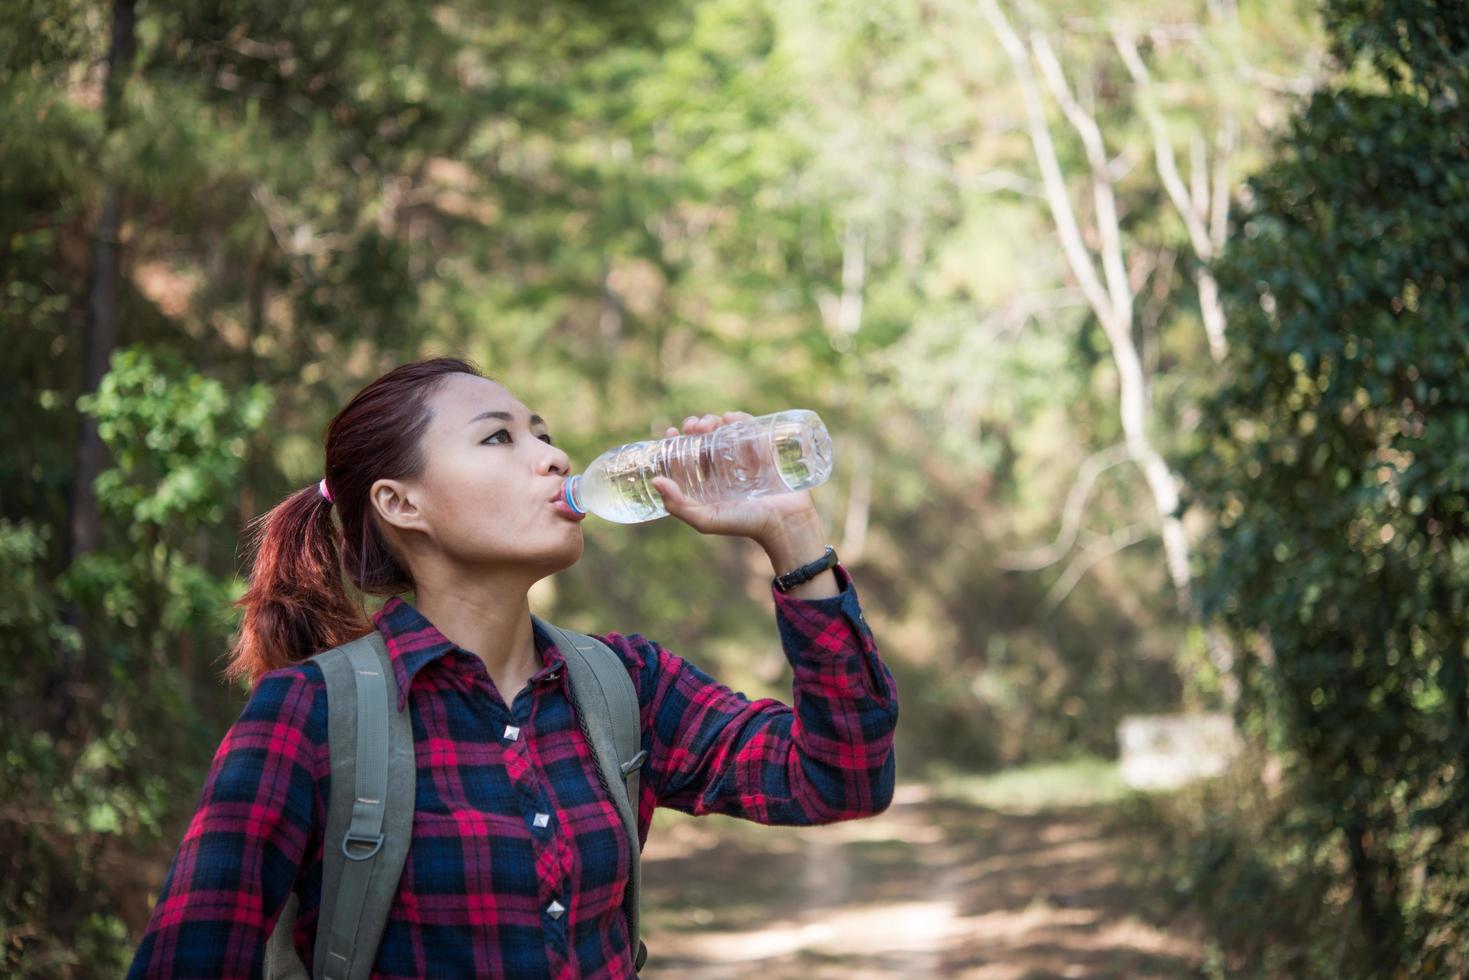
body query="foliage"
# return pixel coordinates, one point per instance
(1413, 44)
(1231, 851)
(627, 213)
(93, 734)
(1076, 782)
(1339, 469)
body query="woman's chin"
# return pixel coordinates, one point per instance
(571, 553)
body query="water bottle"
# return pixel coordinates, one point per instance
(778, 453)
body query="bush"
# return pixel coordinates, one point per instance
(1338, 468)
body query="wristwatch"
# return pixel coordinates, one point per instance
(788, 581)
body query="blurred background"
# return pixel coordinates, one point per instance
(1140, 328)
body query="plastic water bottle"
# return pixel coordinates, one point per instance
(778, 453)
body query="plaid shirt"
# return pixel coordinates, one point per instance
(518, 861)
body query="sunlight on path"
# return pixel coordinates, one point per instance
(934, 887)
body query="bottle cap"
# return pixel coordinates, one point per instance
(568, 492)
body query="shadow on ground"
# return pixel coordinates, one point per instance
(934, 887)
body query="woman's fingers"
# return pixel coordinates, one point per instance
(704, 423)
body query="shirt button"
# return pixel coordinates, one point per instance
(541, 819)
(555, 910)
(511, 732)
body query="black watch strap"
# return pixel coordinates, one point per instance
(806, 573)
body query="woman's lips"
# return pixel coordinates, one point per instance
(564, 509)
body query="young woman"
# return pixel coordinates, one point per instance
(446, 486)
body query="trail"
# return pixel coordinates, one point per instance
(933, 887)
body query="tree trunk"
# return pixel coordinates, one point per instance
(101, 321)
(1374, 881)
(249, 477)
(1110, 294)
(859, 505)
(1376, 906)
(99, 342)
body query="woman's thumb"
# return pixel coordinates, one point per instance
(667, 490)
(673, 497)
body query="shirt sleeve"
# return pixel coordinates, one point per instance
(827, 757)
(238, 859)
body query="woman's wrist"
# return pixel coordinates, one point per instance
(795, 542)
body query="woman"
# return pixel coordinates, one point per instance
(445, 486)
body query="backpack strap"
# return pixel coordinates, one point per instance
(606, 706)
(369, 818)
(369, 821)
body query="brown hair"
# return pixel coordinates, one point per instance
(297, 604)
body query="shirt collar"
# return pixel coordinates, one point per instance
(414, 642)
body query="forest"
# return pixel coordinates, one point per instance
(1139, 326)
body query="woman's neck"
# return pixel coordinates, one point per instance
(491, 620)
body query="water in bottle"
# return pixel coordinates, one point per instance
(778, 453)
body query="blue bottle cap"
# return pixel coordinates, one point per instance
(568, 492)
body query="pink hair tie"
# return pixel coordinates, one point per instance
(324, 491)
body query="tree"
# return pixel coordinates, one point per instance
(276, 196)
(101, 333)
(1106, 234)
(1338, 470)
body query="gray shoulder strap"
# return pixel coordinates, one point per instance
(606, 706)
(369, 819)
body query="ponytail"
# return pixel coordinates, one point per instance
(297, 603)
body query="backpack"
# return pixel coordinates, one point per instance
(369, 820)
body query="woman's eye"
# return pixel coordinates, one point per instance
(506, 432)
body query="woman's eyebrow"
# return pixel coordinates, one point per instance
(505, 416)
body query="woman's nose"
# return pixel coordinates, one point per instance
(557, 461)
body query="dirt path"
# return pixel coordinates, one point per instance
(934, 887)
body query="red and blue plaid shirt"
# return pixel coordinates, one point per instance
(518, 860)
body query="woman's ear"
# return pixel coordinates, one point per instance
(396, 504)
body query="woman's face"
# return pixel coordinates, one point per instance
(485, 497)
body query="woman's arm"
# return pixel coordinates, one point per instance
(712, 750)
(238, 859)
(829, 757)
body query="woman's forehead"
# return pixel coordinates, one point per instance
(464, 400)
